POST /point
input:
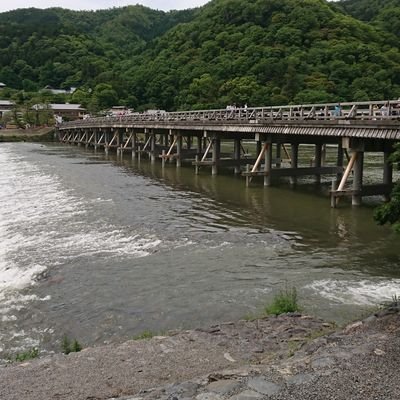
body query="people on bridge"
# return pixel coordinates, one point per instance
(338, 110)
(385, 110)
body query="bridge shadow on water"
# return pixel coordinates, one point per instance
(301, 213)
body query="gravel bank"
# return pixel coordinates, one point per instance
(286, 357)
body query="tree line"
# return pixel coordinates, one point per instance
(229, 51)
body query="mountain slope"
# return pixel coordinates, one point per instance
(267, 52)
(258, 52)
(384, 14)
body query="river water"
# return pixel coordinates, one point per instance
(101, 249)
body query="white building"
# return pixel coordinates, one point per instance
(6, 106)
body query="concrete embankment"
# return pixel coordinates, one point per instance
(286, 357)
(45, 134)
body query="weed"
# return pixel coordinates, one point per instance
(293, 346)
(69, 346)
(144, 335)
(285, 301)
(252, 317)
(317, 333)
(27, 355)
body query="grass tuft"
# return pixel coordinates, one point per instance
(27, 355)
(69, 346)
(144, 335)
(284, 302)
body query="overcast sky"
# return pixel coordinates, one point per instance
(97, 4)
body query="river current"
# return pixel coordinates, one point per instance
(102, 249)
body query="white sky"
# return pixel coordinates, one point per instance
(100, 4)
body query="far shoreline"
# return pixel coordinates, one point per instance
(42, 134)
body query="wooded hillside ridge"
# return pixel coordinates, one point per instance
(227, 52)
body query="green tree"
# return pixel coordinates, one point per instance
(389, 213)
(104, 96)
(239, 90)
(203, 91)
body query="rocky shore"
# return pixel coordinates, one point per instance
(287, 357)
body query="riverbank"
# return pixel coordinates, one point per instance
(286, 357)
(45, 134)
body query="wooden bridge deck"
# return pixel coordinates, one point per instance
(354, 128)
(378, 120)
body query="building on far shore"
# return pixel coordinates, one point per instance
(119, 110)
(54, 90)
(66, 111)
(2, 85)
(5, 106)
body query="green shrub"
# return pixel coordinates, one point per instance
(70, 347)
(285, 301)
(27, 355)
(144, 335)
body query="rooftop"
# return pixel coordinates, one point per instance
(77, 107)
(59, 107)
(6, 103)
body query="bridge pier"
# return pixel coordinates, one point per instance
(237, 144)
(258, 149)
(106, 142)
(133, 144)
(199, 144)
(278, 155)
(358, 178)
(294, 160)
(95, 140)
(179, 143)
(318, 161)
(339, 161)
(216, 154)
(387, 172)
(267, 162)
(153, 146)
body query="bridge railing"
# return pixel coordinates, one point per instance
(376, 110)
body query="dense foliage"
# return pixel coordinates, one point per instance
(389, 213)
(258, 52)
(384, 14)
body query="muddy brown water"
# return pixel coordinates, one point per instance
(102, 249)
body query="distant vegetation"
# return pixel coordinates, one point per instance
(383, 14)
(389, 213)
(229, 51)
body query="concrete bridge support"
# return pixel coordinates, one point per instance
(134, 144)
(294, 160)
(152, 147)
(387, 172)
(179, 144)
(278, 155)
(268, 163)
(236, 154)
(358, 178)
(318, 161)
(339, 161)
(216, 154)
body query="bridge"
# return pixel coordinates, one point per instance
(276, 133)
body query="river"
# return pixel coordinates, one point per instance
(101, 249)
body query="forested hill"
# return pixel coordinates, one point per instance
(384, 14)
(63, 48)
(257, 52)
